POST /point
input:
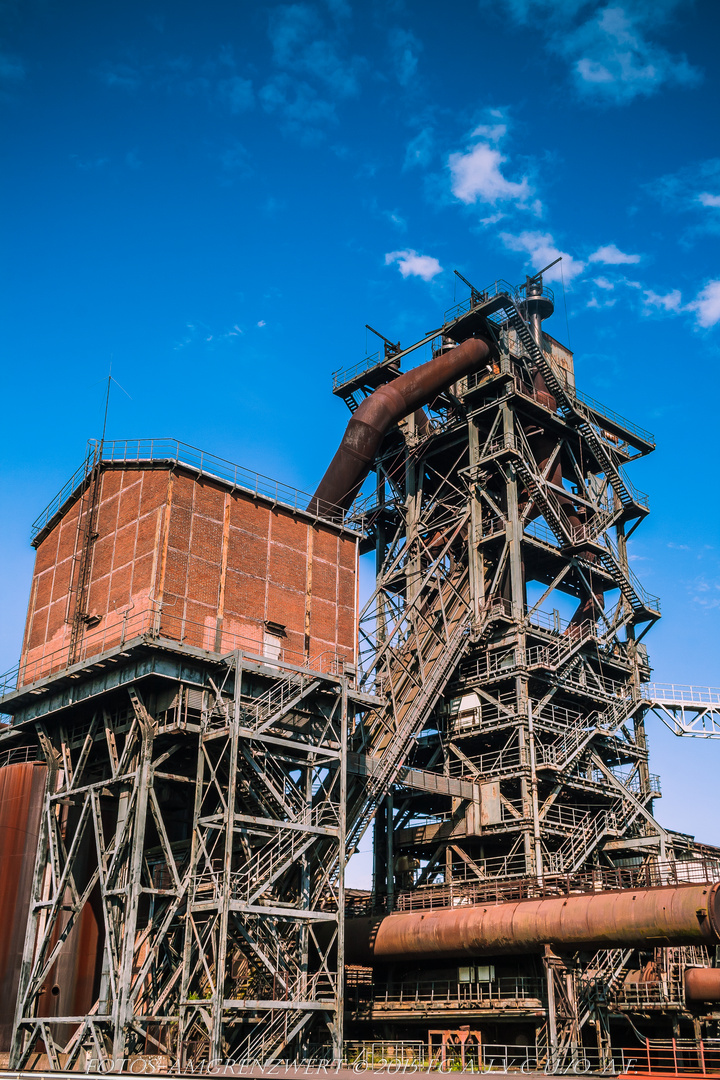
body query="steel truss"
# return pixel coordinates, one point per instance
(200, 826)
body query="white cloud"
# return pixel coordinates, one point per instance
(410, 264)
(611, 255)
(707, 305)
(706, 199)
(671, 301)
(477, 177)
(262, 322)
(593, 302)
(603, 283)
(541, 249)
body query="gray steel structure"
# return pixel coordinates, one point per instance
(196, 803)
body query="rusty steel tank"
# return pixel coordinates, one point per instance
(70, 984)
(640, 918)
(22, 787)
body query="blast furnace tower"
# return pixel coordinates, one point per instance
(204, 725)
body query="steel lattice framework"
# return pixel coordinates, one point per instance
(203, 820)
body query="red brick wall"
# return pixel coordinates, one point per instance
(202, 563)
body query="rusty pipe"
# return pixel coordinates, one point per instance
(385, 407)
(702, 984)
(669, 915)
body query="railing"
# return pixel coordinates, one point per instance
(496, 289)
(19, 755)
(397, 1056)
(140, 451)
(449, 992)
(648, 995)
(519, 886)
(342, 376)
(157, 625)
(681, 694)
(494, 761)
(615, 417)
(540, 531)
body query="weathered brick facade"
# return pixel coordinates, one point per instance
(197, 561)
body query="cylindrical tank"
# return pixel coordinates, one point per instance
(672, 915)
(22, 788)
(702, 984)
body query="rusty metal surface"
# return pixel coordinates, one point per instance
(383, 408)
(702, 984)
(677, 915)
(21, 800)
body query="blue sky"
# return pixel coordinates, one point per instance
(216, 198)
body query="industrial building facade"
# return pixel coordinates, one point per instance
(205, 725)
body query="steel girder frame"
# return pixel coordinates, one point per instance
(101, 815)
(263, 942)
(557, 708)
(185, 916)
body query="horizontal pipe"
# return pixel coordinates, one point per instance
(670, 915)
(374, 417)
(702, 984)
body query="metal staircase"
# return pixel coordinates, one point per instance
(644, 605)
(415, 686)
(599, 981)
(570, 408)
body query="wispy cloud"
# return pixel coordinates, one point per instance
(215, 79)
(611, 255)
(315, 71)
(695, 190)
(235, 160)
(199, 334)
(541, 250)
(405, 50)
(610, 50)
(705, 308)
(419, 150)
(12, 69)
(663, 302)
(89, 164)
(410, 264)
(237, 93)
(303, 111)
(120, 75)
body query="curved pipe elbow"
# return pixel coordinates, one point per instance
(383, 408)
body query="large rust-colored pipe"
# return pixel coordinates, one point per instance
(383, 408)
(672, 915)
(702, 984)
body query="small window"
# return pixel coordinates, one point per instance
(273, 640)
